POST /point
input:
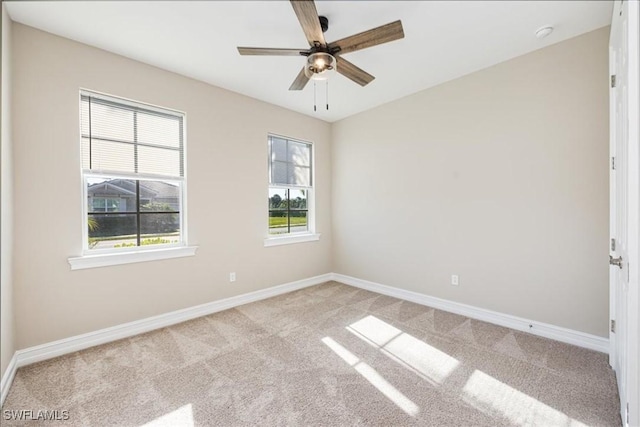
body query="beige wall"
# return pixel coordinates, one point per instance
(7, 341)
(227, 193)
(500, 177)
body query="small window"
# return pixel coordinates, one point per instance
(290, 186)
(133, 169)
(102, 204)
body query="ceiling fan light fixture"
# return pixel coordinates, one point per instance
(320, 66)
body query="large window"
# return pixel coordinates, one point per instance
(133, 169)
(290, 186)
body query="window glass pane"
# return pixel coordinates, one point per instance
(111, 122)
(277, 198)
(112, 156)
(278, 149)
(158, 130)
(298, 221)
(279, 173)
(159, 196)
(112, 231)
(300, 175)
(111, 195)
(278, 222)
(299, 153)
(298, 210)
(297, 199)
(108, 230)
(278, 219)
(159, 228)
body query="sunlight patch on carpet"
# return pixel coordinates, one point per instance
(181, 417)
(427, 361)
(371, 375)
(493, 397)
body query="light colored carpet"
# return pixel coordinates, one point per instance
(326, 355)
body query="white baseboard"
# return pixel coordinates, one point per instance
(64, 346)
(7, 378)
(557, 333)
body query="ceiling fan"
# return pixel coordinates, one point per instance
(324, 58)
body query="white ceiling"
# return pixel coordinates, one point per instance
(443, 40)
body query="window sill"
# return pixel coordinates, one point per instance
(104, 260)
(290, 239)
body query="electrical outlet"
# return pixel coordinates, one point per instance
(232, 276)
(454, 279)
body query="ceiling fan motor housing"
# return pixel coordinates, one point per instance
(324, 23)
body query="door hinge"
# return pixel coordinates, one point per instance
(613, 326)
(613, 245)
(613, 163)
(627, 411)
(613, 80)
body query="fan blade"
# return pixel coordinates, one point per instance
(352, 72)
(308, 16)
(300, 82)
(379, 35)
(270, 51)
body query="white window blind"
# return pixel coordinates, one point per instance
(289, 162)
(120, 137)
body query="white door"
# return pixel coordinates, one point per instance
(619, 257)
(624, 206)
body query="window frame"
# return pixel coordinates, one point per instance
(114, 256)
(300, 236)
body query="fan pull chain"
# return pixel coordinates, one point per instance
(314, 96)
(327, 97)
